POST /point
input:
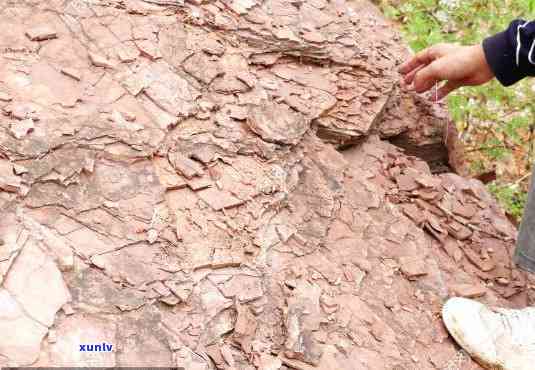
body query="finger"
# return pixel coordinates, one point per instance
(446, 89)
(409, 77)
(427, 77)
(422, 58)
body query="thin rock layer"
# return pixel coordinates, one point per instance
(171, 185)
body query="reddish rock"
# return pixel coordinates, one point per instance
(413, 267)
(458, 231)
(185, 166)
(20, 129)
(314, 36)
(302, 318)
(191, 197)
(277, 124)
(23, 345)
(8, 181)
(100, 61)
(219, 199)
(72, 72)
(5, 97)
(245, 327)
(181, 289)
(483, 265)
(33, 279)
(406, 183)
(167, 175)
(468, 290)
(268, 362)
(244, 288)
(200, 183)
(41, 33)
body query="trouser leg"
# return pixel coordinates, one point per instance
(525, 248)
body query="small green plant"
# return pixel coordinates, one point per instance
(495, 123)
(511, 197)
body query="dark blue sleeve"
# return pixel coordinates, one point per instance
(510, 53)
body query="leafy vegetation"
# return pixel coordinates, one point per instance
(496, 123)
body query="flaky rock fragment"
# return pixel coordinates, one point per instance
(199, 183)
(226, 352)
(166, 2)
(268, 362)
(20, 129)
(167, 174)
(217, 327)
(60, 250)
(36, 282)
(483, 264)
(23, 111)
(187, 359)
(245, 327)
(242, 6)
(170, 300)
(41, 33)
(413, 267)
(100, 61)
(458, 230)
(185, 166)
(223, 258)
(244, 288)
(468, 290)
(21, 341)
(152, 236)
(181, 289)
(147, 48)
(302, 319)
(219, 199)
(8, 180)
(277, 123)
(213, 45)
(127, 54)
(171, 91)
(52, 336)
(67, 309)
(72, 72)
(314, 36)
(329, 304)
(406, 183)
(5, 97)
(202, 67)
(191, 199)
(464, 210)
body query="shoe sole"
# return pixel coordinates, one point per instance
(451, 325)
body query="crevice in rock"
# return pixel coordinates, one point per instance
(435, 154)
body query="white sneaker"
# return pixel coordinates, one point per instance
(498, 339)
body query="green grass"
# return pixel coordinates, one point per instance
(511, 197)
(495, 123)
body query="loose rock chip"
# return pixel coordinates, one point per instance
(276, 123)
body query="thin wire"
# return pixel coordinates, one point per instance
(447, 118)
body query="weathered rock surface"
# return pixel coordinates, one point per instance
(214, 184)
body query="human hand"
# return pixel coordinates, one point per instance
(455, 64)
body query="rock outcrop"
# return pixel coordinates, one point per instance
(230, 184)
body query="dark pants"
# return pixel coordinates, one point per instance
(525, 247)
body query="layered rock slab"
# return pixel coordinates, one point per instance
(180, 196)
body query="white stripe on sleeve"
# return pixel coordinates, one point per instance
(519, 43)
(530, 55)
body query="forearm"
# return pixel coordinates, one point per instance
(511, 53)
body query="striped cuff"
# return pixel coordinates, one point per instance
(501, 57)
